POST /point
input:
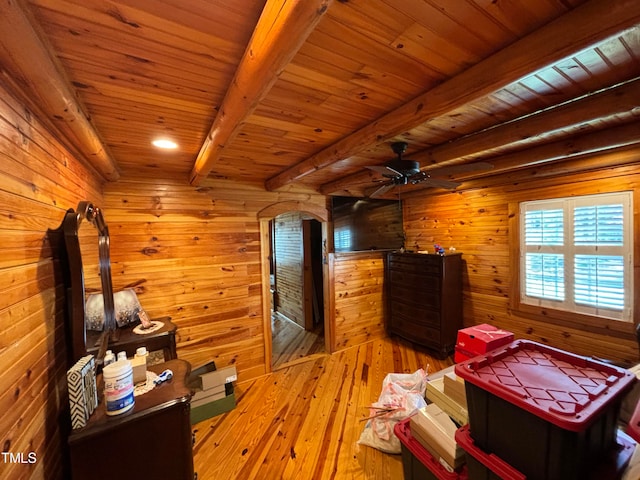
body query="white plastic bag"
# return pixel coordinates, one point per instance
(402, 394)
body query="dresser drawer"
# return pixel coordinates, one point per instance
(415, 281)
(422, 264)
(419, 315)
(417, 297)
(415, 331)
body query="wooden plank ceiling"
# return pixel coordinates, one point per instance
(305, 94)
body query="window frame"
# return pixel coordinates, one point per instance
(548, 314)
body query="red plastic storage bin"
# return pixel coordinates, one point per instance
(485, 466)
(417, 462)
(546, 412)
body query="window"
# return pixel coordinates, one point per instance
(576, 255)
(342, 238)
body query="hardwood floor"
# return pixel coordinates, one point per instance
(303, 421)
(291, 342)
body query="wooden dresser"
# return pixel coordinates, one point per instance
(424, 298)
(153, 440)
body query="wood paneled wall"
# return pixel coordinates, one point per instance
(194, 254)
(359, 299)
(39, 181)
(289, 261)
(476, 224)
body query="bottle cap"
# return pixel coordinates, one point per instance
(122, 355)
(141, 351)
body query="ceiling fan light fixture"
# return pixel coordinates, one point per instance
(164, 143)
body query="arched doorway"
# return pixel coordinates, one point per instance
(266, 216)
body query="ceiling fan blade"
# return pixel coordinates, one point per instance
(423, 177)
(382, 190)
(446, 184)
(463, 168)
(385, 170)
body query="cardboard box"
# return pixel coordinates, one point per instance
(481, 339)
(195, 377)
(435, 394)
(460, 355)
(212, 391)
(215, 378)
(207, 376)
(435, 431)
(219, 392)
(417, 462)
(454, 388)
(213, 405)
(139, 367)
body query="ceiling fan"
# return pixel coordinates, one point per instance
(403, 172)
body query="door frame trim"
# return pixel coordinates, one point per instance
(265, 216)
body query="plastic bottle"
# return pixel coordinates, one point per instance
(109, 357)
(142, 352)
(122, 355)
(139, 363)
(118, 387)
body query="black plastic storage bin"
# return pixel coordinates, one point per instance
(548, 413)
(484, 466)
(417, 462)
(481, 465)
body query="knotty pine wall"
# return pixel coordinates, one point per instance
(289, 262)
(359, 287)
(194, 254)
(476, 223)
(39, 181)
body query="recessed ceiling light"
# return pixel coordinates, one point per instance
(165, 143)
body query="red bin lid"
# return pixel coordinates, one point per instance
(565, 389)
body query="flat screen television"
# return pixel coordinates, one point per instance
(366, 224)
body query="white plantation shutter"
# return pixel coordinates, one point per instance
(576, 254)
(342, 238)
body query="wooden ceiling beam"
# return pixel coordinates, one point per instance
(283, 27)
(626, 156)
(582, 28)
(607, 103)
(30, 66)
(592, 150)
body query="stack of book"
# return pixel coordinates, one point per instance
(83, 391)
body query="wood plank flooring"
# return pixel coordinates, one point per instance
(303, 421)
(291, 342)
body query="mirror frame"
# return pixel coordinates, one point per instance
(76, 291)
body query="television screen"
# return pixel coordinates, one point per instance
(366, 224)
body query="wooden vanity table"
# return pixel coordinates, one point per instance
(153, 440)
